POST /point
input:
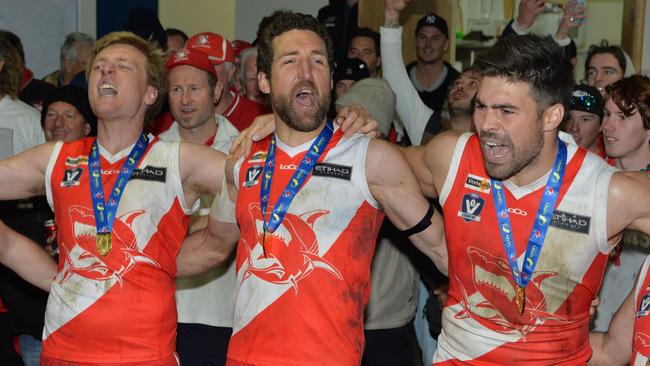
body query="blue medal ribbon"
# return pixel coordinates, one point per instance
(295, 183)
(542, 220)
(105, 211)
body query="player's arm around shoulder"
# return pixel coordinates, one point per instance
(23, 175)
(628, 203)
(430, 163)
(205, 173)
(393, 185)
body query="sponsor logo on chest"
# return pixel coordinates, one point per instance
(76, 161)
(571, 222)
(332, 171)
(150, 173)
(477, 183)
(471, 207)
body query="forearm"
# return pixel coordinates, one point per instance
(410, 108)
(26, 258)
(206, 248)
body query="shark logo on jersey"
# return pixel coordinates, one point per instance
(492, 301)
(290, 254)
(82, 258)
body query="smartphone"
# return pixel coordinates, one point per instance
(584, 4)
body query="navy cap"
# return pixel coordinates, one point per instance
(433, 20)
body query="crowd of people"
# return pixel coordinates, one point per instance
(306, 198)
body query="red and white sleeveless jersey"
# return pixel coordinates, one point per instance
(641, 335)
(117, 308)
(300, 299)
(481, 322)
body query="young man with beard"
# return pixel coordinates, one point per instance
(308, 208)
(204, 302)
(627, 136)
(111, 298)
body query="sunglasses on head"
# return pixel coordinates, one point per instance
(588, 101)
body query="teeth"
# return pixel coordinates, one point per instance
(492, 144)
(84, 230)
(107, 86)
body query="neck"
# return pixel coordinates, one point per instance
(461, 122)
(540, 165)
(224, 101)
(199, 134)
(292, 137)
(427, 73)
(635, 161)
(116, 136)
(67, 78)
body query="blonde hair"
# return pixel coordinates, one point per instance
(155, 64)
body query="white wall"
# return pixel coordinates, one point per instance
(250, 12)
(645, 61)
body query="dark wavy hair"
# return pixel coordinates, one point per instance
(632, 95)
(12, 71)
(283, 21)
(604, 47)
(534, 60)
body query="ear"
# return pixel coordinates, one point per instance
(2, 64)
(150, 95)
(552, 117)
(264, 82)
(86, 129)
(218, 89)
(446, 47)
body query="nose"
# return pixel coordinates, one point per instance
(304, 70)
(573, 126)
(607, 125)
(59, 121)
(108, 68)
(185, 97)
(487, 120)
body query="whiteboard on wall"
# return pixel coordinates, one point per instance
(250, 12)
(42, 26)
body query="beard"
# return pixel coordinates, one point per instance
(521, 157)
(306, 121)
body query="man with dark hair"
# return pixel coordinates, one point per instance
(340, 18)
(308, 207)
(430, 73)
(604, 65)
(176, 39)
(626, 126)
(111, 297)
(515, 193)
(364, 45)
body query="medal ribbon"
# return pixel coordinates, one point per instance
(304, 170)
(105, 211)
(542, 220)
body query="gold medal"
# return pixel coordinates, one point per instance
(104, 243)
(520, 298)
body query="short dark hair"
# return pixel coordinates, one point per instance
(604, 47)
(281, 22)
(368, 33)
(632, 93)
(533, 60)
(171, 32)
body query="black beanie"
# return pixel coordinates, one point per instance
(76, 97)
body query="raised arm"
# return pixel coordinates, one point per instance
(410, 108)
(23, 175)
(202, 172)
(26, 258)
(401, 199)
(614, 347)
